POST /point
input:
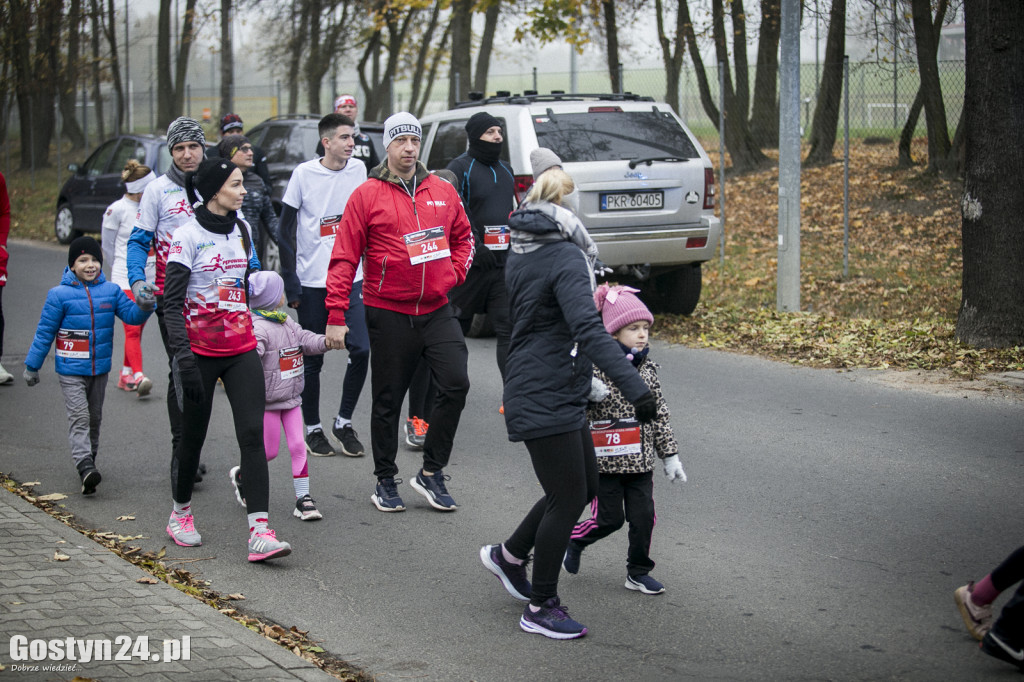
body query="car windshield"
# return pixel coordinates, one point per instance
(613, 135)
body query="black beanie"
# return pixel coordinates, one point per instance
(230, 145)
(478, 124)
(207, 180)
(83, 245)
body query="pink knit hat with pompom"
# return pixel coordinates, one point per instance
(619, 307)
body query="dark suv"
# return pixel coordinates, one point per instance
(289, 140)
(96, 184)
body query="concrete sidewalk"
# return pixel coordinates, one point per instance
(93, 597)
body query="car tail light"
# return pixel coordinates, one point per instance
(523, 183)
(696, 242)
(709, 188)
(605, 110)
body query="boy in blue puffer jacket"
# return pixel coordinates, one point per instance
(79, 315)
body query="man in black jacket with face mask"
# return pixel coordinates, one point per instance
(486, 185)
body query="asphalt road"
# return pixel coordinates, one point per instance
(825, 525)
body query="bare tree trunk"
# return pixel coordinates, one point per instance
(110, 28)
(483, 57)
(992, 301)
(931, 88)
(171, 88)
(314, 69)
(34, 80)
(672, 51)
(227, 59)
(703, 87)
(830, 94)
(95, 18)
(739, 36)
(295, 48)
(421, 56)
(462, 28)
(764, 117)
(744, 153)
(907, 134)
(432, 77)
(611, 33)
(67, 78)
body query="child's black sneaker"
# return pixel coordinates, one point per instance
(305, 509)
(90, 475)
(571, 562)
(644, 583)
(996, 646)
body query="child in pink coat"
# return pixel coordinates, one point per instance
(281, 344)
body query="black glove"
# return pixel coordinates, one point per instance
(188, 382)
(484, 258)
(646, 407)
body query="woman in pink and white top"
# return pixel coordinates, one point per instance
(211, 336)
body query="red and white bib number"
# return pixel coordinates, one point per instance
(290, 362)
(496, 237)
(329, 227)
(231, 293)
(427, 245)
(615, 437)
(73, 343)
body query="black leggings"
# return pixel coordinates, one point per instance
(243, 382)
(1010, 624)
(566, 468)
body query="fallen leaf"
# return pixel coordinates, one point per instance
(147, 580)
(52, 497)
(238, 596)
(31, 483)
(60, 556)
(126, 517)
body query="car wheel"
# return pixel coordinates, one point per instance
(64, 225)
(679, 290)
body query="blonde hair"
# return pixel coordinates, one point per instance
(551, 186)
(133, 170)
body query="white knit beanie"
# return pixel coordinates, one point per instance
(402, 123)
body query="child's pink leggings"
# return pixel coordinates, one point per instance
(294, 435)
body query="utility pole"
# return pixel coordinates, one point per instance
(788, 292)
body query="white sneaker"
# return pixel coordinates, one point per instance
(5, 377)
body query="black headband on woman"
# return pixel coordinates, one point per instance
(205, 181)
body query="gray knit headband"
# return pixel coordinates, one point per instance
(185, 129)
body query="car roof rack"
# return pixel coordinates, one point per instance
(530, 97)
(292, 117)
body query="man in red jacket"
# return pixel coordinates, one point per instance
(413, 236)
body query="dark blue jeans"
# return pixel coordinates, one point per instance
(313, 316)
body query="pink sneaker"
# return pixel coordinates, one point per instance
(182, 530)
(264, 545)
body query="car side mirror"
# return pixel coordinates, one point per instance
(73, 167)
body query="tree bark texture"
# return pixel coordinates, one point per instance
(830, 93)
(611, 37)
(907, 134)
(66, 72)
(764, 115)
(672, 51)
(95, 19)
(32, 39)
(121, 108)
(462, 33)
(227, 60)
(992, 298)
(483, 57)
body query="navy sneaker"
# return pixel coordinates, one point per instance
(552, 620)
(644, 583)
(572, 558)
(997, 647)
(513, 577)
(385, 496)
(433, 488)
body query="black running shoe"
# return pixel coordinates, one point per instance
(998, 647)
(318, 445)
(349, 439)
(89, 474)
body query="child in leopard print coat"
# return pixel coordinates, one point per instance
(625, 449)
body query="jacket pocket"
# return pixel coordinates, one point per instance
(383, 273)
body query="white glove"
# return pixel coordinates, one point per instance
(31, 377)
(598, 390)
(145, 296)
(674, 469)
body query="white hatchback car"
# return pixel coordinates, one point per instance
(647, 192)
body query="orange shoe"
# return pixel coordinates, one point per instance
(501, 410)
(415, 432)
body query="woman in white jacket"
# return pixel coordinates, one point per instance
(118, 220)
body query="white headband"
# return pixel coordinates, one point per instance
(136, 186)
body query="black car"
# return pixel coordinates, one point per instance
(96, 184)
(289, 140)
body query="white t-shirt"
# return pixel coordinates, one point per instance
(164, 208)
(320, 195)
(216, 306)
(118, 220)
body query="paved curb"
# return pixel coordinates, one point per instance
(93, 595)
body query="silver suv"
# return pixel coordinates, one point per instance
(646, 186)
